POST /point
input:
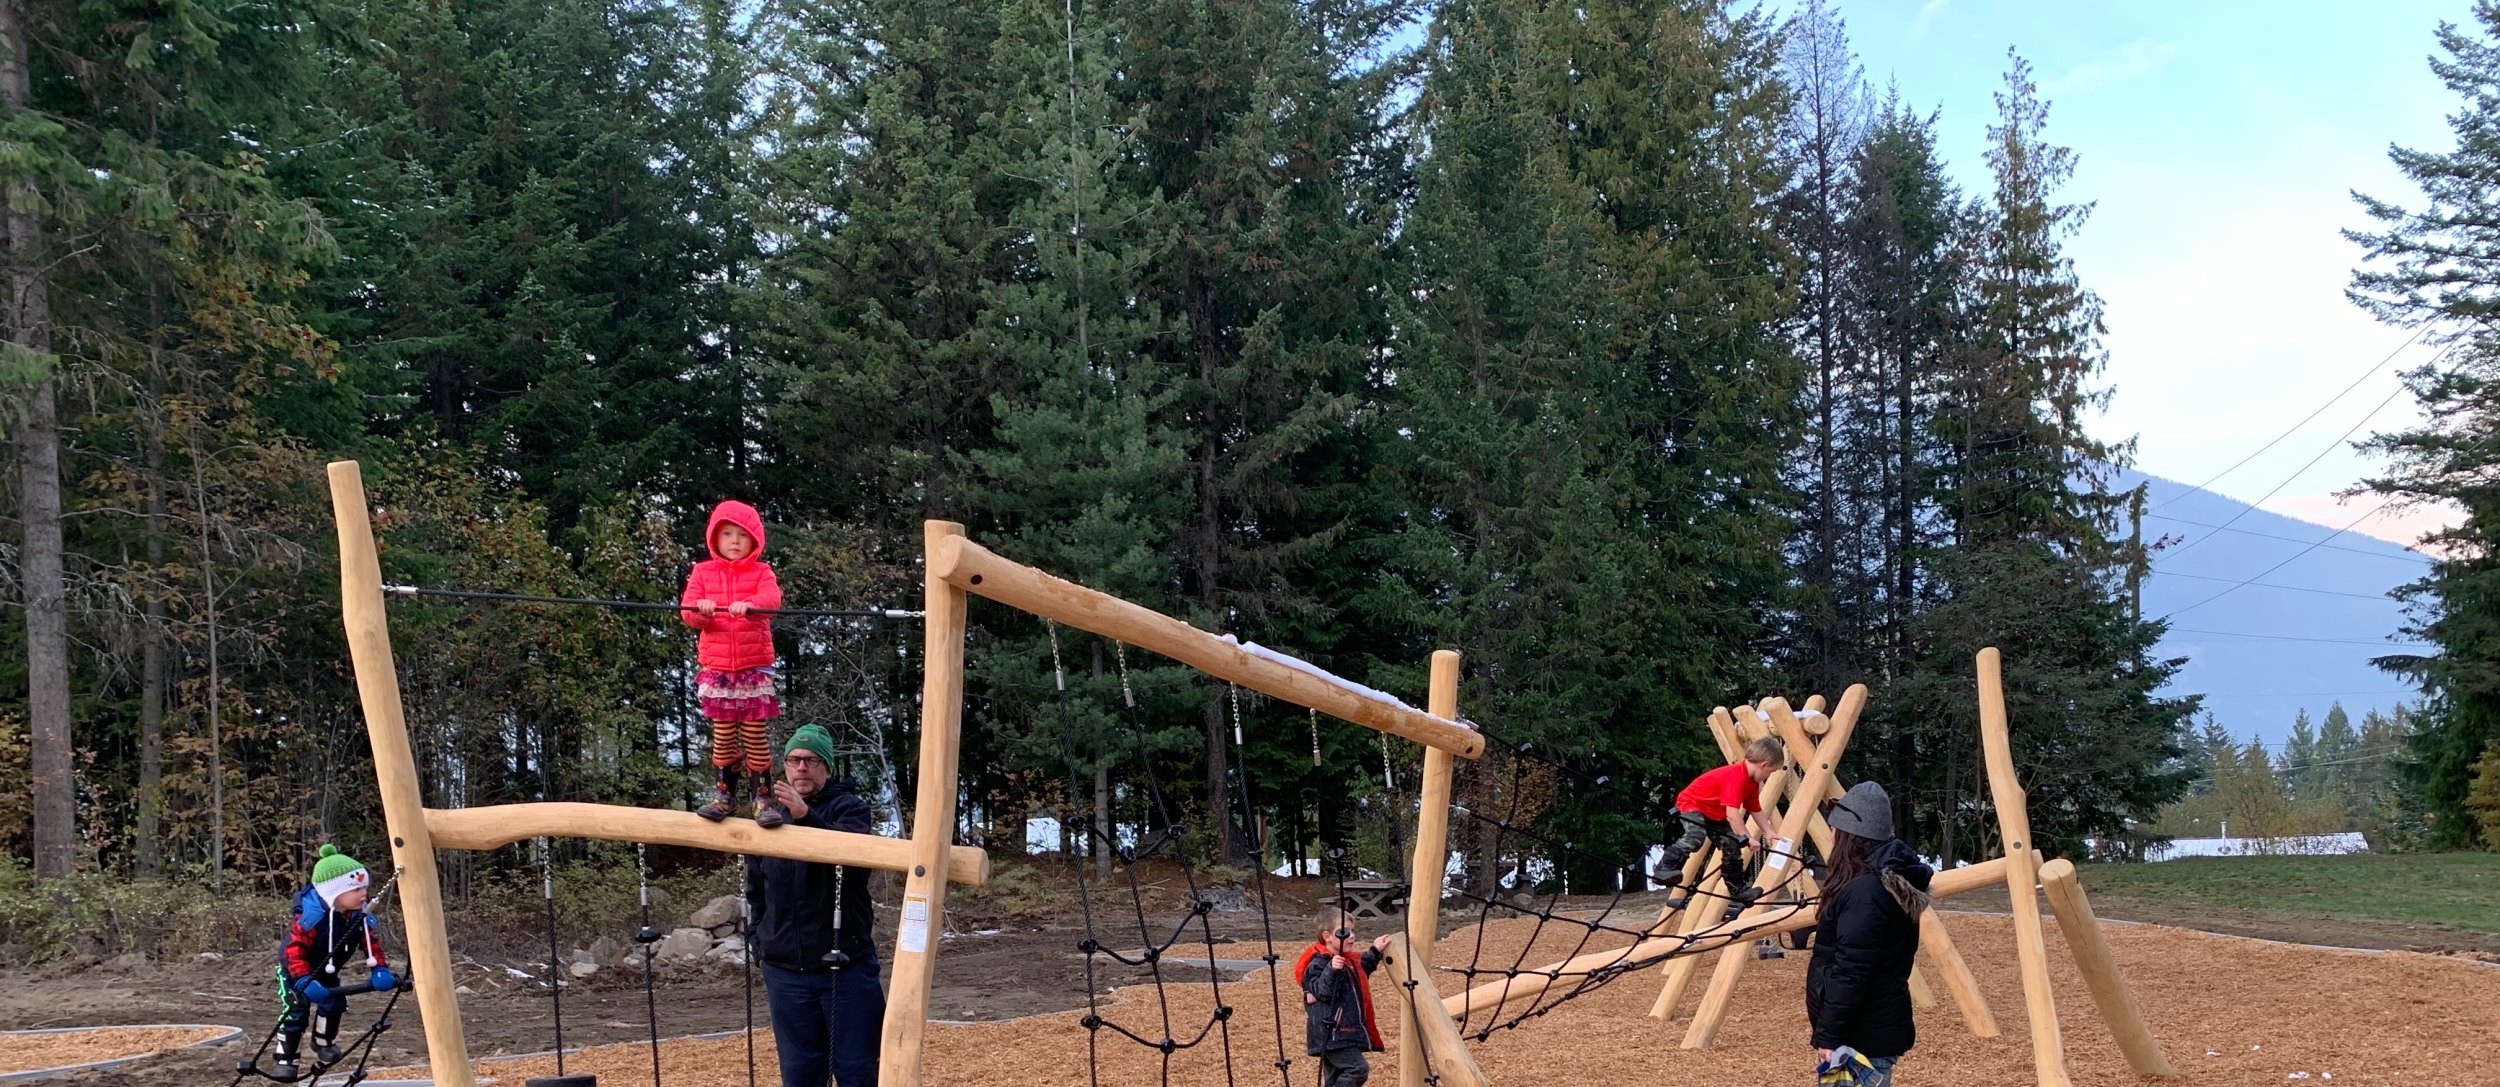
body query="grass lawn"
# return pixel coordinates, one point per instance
(2461, 890)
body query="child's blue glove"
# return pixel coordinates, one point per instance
(383, 980)
(312, 991)
(1846, 1068)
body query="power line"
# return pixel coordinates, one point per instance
(2286, 588)
(2304, 421)
(2290, 638)
(2409, 554)
(2371, 512)
(2296, 474)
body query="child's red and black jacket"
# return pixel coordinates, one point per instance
(320, 940)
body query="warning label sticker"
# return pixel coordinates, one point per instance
(914, 934)
(1779, 852)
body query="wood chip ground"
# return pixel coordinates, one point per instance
(27, 1052)
(2229, 1011)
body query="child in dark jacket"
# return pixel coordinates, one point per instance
(1337, 1000)
(330, 928)
(734, 658)
(1858, 984)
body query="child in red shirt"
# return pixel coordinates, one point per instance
(1708, 809)
(734, 658)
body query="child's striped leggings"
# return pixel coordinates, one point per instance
(747, 742)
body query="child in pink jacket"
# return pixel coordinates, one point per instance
(734, 658)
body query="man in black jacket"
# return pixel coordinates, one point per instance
(811, 932)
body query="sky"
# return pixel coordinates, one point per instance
(2219, 143)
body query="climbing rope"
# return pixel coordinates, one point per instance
(649, 938)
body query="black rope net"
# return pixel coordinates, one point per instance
(1512, 776)
(1155, 938)
(1516, 778)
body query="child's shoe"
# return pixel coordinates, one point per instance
(1745, 896)
(283, 1071)
(720, 806)
(328, 1054)
(768, 811)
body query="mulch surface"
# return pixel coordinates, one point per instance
(2227, 1010)
(27, 1052)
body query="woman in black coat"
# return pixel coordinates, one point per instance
(1858, 984)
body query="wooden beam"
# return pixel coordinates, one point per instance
(1493, 994)
(2048, 1044)
(1732, 961)
(933, 817)
(395, 767)
(1428, 1022)
(500, 825)
(1705, 903)
(969, 567)
(1425, 880)
(2100, 971)
(1723, 730)
(1958, 980)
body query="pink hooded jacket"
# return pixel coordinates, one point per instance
(730, 643)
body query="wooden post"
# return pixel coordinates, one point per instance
(1428, 1023)
(1425, 881)
(1731, 967)
(1723, 730)
(933, 818)
(2100, 971)
(1958, 979)
(1705, 905)
(403, 802)
(2048, 1044)
(503, 824)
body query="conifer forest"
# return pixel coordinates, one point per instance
(1648, 354)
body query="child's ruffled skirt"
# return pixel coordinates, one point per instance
(748, 694)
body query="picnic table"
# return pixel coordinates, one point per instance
(1373, 897)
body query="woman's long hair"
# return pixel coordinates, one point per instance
(1852, 856)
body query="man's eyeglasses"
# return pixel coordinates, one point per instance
(803, 760)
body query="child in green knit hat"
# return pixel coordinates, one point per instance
(331, 928)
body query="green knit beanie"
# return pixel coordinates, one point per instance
(336, 874)
(812, 738)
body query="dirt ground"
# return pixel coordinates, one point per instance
(2266, 924)
(2387, 1025)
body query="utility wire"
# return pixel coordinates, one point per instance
(2245, 510)
(2410, 555)
(2290, 638)
(2286, 588)
(2304, 421)
(2296, 556)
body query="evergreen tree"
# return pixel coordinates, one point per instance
(2435, 266)
(2033, 566)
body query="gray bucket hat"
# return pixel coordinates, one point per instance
(1866, 811)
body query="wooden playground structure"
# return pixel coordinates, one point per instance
(957, 568)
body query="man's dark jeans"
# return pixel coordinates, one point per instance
(826, 1026)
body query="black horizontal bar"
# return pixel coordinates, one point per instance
(645, 605)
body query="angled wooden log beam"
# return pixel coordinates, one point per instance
(500, 825)
(1710, 898)
(1958, 980)
(395, 768)
(2048, 1044)
(2100, 971)
(972, 568)
(1438, 1049)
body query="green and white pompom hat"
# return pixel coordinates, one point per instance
(336, 874)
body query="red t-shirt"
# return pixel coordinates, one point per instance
(1713, 793)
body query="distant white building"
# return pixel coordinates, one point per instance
(2299, 845)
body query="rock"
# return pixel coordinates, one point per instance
(578, 956)
(686, 944)
(464, 990)
(208, 956)
(582, 969)
(716, 913)
(128, 961)
(605, 949)
(732, 951)
(1230, 900)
